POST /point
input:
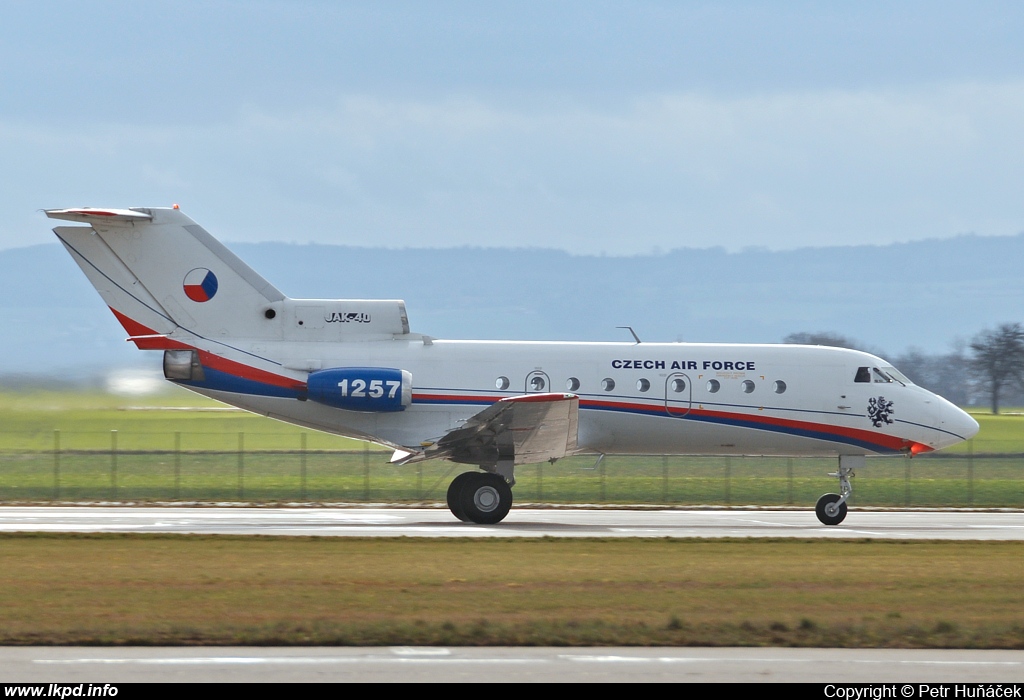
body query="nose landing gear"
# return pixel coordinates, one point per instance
(831, 508)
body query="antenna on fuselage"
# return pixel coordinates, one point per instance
(630, 329)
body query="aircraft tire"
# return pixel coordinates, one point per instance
(455, 495)
(486, 499)
(827, 512)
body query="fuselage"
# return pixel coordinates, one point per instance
(647, 398)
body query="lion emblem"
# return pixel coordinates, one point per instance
(879, 411)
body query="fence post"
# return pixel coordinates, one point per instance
(419, 481)
(728, 481)
(664, 478)
(906, 484)
(113, 465)
(540, 482)
(241, 466)
(302, 467)
(366, 471)
(970, 472)
(789, 481)
(56, 464)
(177, 464)
(603, 493)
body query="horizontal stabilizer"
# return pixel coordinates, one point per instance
(92, 214)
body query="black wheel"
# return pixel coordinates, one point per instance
(455, 495)
(486, 499)
(827, 510)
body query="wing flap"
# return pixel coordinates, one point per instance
(523, 429)
(544, 430)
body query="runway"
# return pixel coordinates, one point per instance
(99, 665)
(357, 521)
(510, 664)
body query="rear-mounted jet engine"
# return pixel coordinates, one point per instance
(376, 389)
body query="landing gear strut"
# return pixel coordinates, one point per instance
(480, 497)
(831, 508)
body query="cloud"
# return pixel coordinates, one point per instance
(673, 169)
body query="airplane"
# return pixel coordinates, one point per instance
(353, 367)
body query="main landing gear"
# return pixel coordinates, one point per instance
(831, 508)
(480, 497)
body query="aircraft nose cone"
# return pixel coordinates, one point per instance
(970, 426)
(959, 422)
(953, 423)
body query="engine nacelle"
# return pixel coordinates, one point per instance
(373, 389)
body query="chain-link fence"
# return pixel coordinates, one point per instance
(113, 466)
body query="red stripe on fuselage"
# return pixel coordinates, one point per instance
(246, 372)
(883, 441)
(155, 341)
(889, 442)
(537, 398)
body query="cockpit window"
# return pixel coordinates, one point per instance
(880, 375)
(897, 375)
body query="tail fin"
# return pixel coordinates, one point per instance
(158, 270)
(171, 284)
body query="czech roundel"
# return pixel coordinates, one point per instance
(200, 284)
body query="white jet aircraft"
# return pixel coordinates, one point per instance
(352, 367)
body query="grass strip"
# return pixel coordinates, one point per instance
(177, 446)
(223, 590)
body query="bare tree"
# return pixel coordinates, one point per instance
(998, 359)
(947, 374)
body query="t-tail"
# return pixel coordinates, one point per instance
(173, 286)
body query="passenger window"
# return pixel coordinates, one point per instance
(642, 385)
(537, 383)
(748, 386)
(863, 375)
(714, 385)
(678, 385)
(607, 383)
(779, 387)
(572, 384)
(501, 383)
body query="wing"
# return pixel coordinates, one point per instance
(523, 429)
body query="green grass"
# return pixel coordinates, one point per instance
(93, 446)
(998, 434)
(85, 421)
(136, 589)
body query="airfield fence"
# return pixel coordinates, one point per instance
(188, 467)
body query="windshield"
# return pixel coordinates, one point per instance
(880, 375)
(897, 375)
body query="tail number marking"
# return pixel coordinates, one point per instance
(371, 389)
(376, 391)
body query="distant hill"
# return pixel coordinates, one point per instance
(921, 294)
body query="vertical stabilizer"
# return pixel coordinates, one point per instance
(159, 272)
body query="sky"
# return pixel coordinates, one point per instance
(593, 127)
